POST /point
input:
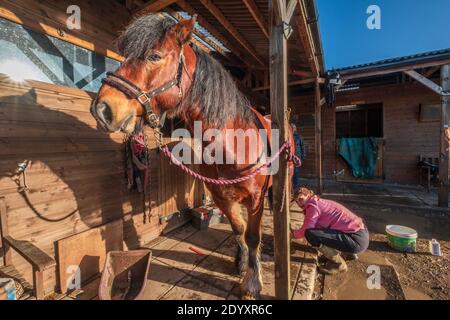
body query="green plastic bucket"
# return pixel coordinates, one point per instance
(401, 238)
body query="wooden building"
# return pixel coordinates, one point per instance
(75, 174)
(379, 100)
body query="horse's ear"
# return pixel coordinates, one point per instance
(184, 29)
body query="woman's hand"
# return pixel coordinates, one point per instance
(291, 233)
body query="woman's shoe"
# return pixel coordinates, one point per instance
(335, 263)
(350, 256)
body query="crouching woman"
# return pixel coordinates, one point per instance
(332, 229)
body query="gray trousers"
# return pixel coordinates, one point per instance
(345, 242)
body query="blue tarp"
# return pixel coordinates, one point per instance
(361, 155)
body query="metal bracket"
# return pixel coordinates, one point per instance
(287, 30)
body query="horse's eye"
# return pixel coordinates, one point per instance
(154, 57)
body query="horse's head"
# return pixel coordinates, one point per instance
(154, 77)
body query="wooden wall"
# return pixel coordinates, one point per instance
(74, 167)
(304, 106)
(406, 137)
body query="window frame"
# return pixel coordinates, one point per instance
(357, 108)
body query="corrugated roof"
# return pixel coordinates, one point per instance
(421, 57)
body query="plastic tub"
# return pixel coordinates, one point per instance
(402, 238)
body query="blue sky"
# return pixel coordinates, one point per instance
(407, 27)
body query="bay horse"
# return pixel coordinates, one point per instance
(164, 74)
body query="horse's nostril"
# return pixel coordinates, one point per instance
(104, 112)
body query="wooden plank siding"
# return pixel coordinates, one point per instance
(75, 167)
(405, 136)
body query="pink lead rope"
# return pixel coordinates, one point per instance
(222, 182)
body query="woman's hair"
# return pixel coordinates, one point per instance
(303, 191)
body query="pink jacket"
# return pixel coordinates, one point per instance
(327, 214)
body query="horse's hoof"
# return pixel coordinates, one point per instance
(240, 269)
(240, 272)
(248, 296)
(241, 266)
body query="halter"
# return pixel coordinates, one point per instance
(145, 97)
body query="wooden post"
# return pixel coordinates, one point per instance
(318, 138)
(279, 111)
(445, 139)
(38, 284)
(7, 257)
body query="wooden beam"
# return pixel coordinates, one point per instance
(302, 73)
(350, 75)
(318, 137)
(193, 40)
(445, 140)
(279, 111)
(130, 4)
(256, 14)
(7, 255)
(153, 6)
(290, 10)
(231, 29)
(281, 9)
(204, 23)
(306, 39)
(293, 83)
(431, 71)
(425, 81)
(133, 4)
(200, 35)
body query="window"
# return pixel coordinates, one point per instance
(359, 121)
(29, 55)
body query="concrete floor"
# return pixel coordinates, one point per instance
(390, 194)
(177, 272)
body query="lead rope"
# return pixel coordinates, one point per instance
(223, 182)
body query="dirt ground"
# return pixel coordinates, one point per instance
(418, 276)
(421, 274)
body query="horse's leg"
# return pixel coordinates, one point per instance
(252, 283)
(232, 210)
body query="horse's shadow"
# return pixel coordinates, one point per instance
(95, 205)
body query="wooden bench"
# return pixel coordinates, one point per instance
(39, 260)
(428, 164)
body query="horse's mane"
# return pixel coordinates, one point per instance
(213, 88)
